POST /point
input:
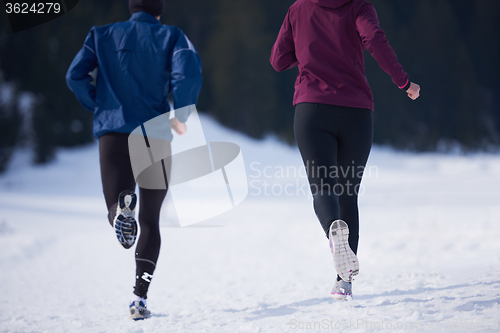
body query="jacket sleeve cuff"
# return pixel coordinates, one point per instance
(406, 86)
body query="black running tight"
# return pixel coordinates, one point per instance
(334, 142)
(117, 176)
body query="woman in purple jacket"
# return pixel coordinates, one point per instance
(333, 110)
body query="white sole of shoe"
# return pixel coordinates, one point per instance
(339, 297)
(137, 316)
(345, 261)
(117, 226)
(127, 201)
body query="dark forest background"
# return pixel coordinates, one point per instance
(449, 47)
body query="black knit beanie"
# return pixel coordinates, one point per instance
(153, 7)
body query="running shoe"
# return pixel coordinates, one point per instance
(138, 310)
(345, 261)
(124, 223)
(341, 291)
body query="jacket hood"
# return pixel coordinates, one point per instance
(330, 3)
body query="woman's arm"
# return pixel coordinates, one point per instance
(375, 41)
(283, 52)
(414, 91)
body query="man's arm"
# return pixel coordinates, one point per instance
(177, 126)
(186, 77)
(78, 77)
(283, 52)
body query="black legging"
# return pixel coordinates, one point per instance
(334, 142)
(117, 176)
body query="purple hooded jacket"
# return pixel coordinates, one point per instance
(326, 39)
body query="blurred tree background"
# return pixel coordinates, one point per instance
(449, 47)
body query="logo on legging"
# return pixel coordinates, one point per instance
(147, 277)
(204, 179)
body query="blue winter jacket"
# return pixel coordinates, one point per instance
(139, 63)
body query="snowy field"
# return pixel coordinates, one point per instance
(429, 250)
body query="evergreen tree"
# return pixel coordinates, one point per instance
(482, 31)
(10, 122)
(427, 37)
(447, 46)
(241, 80)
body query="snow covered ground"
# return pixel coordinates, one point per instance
(429, 250)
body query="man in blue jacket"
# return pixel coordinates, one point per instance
(139, 63)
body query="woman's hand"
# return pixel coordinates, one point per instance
(177, 126)
(414, 91)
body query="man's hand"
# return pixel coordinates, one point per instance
(414, 91)
(177, 126)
